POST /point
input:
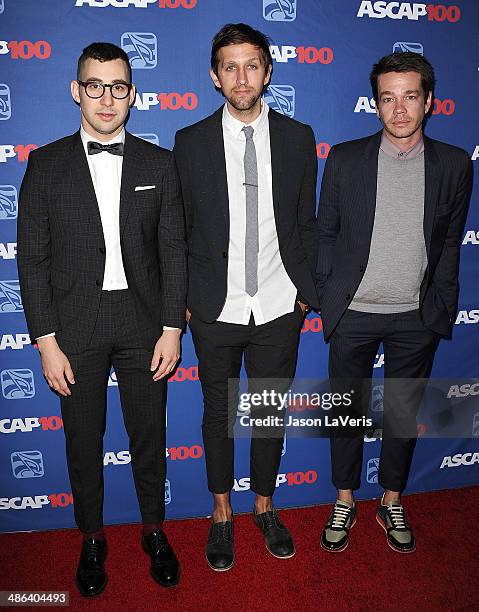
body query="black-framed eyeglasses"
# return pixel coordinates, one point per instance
(95, 89)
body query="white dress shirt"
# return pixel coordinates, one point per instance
(276, 294)
(105, 171)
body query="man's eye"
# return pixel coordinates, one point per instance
(229, 68)
(411, 97)
(253, 66)
(94, 85)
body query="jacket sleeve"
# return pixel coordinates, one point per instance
(328, 221)
(172, 250)
(34, 253)
(447, 269)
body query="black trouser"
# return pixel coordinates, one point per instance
(409, 349)
(115, 342)
(270, 352)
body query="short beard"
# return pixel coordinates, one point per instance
(243, 104)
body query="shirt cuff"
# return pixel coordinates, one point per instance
(46, 336)
(167, 328)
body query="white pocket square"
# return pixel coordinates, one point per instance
(143, 187)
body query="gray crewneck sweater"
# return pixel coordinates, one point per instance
(397, 257)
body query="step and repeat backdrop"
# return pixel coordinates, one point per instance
(323, 51)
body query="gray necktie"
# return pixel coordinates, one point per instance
(252, 235)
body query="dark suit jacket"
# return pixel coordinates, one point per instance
(61, 249)
(346, 217)
(200, 159)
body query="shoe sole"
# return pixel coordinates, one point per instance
(343, 548)
(95, 594)
(219, 569)
(282, 556)
(379, 521)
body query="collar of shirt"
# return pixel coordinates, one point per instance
(85, 137)
(236, 127)
(391, 149)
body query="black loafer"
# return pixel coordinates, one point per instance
(392, 519)
(277, 538)
(335, 536)
(164, 569)
(219, 547)
(91, 577)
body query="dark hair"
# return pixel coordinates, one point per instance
(103, 52)
(237, 34)
(405, 61)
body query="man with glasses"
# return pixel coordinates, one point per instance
(102, 264)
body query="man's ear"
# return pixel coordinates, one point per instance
(215, 79)
(75, 90)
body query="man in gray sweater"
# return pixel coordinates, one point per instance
(391, 217)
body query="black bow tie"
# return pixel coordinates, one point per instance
(97, 147)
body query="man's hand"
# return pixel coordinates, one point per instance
(166, 353)
(55, 365)
(188, 315)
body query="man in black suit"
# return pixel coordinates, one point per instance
(102, 263)
(248, 177)
(392, 212)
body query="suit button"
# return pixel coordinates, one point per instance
(98, 283)
(362, 268)
(348, 296)
(102, 250)
(224, 254)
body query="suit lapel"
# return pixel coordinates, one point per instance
(131, 170)
(82, 181)
(276, 138)
(370, 177)
(431, 189)
(214, 144)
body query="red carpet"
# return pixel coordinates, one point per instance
(442, 575)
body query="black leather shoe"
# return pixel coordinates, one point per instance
(165, 568)
(91, 577)
(277, 538)
(219, 548)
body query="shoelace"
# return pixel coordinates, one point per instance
(223, 531)
(92, 549)
(270, 520)
(396, 514)
(340, 517)
(157, 542)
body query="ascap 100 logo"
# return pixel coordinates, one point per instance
(440, 107)
(16, 342)
(460, 459)
(382, 9)
(28, 424)
(281, 98)
(20, 151)
(8, 202)
(8, 250)
(5, 102)
(279, 10)
(166, 101)
(303, 55)
(290, 479)
(36, 502)
(314, 324)
(26, 49)
(467, 317)
(17, 384)
(471, 237)
(141, 48)
(27, 464)
(162, 4)
(10, 298)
